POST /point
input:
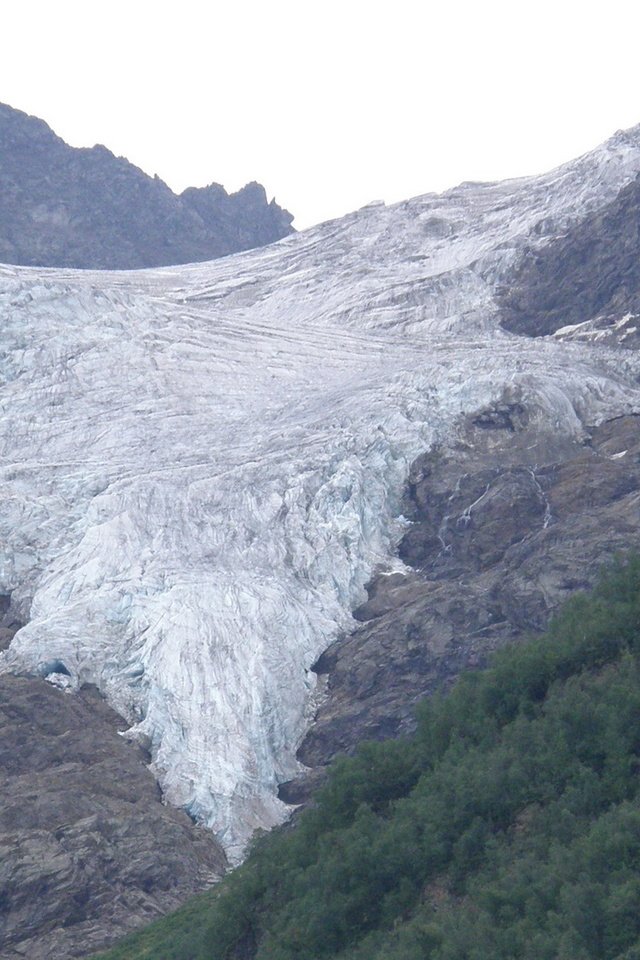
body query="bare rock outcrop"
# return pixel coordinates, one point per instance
(88, 851)
(585, 282)
(503, 528)
(67, 207)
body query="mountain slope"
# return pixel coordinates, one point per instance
(204, 466)
(504, 528)
(87, 848)
(584, 283)
(61, 206)
(507, 828)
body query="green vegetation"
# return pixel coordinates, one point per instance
(508, 827)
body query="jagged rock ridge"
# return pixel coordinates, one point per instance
(67, 207)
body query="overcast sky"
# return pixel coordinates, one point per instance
(330, 105)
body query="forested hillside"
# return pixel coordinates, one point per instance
(507, 827)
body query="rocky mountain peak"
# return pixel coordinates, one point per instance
(84, 207)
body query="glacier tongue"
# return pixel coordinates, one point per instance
(202, 465)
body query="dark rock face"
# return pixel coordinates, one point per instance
(9, 624)
(67, 207)
(504, 528)
(593, 272)
(88, 851)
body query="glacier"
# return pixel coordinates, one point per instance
(202, 465)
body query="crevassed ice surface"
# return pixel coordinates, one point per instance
(201, 466)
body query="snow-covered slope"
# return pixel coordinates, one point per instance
(201, 466)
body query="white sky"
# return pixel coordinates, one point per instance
(331, 104)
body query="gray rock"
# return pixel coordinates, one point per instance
(505, 528)
(68, 207)
(88, 851)
(591, 274)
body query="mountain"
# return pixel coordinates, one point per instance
(209, 469)
(67, 207)
(506, 828)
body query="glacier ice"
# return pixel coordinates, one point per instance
(201, 465)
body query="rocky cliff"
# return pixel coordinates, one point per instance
(585, 283)
(502, 529)
(67, 207)
(87, 849)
